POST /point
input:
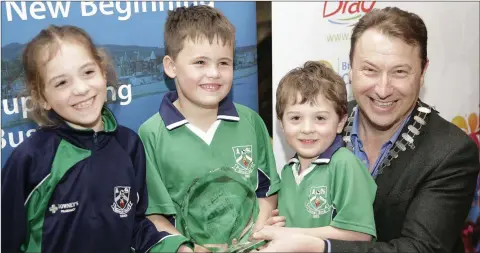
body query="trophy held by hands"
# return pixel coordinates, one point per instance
(220, 208)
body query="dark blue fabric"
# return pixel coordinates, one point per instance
(117, 160)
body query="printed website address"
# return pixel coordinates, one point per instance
(337, 37)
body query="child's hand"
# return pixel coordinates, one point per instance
(199, 248)
(281, 240)
(184, 249)
(275, 220)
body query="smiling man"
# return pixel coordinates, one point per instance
(425, 167)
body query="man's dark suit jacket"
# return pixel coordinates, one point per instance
(424, 196)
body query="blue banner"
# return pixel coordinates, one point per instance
(132, 33)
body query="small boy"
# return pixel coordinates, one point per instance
(198, 128)
(325, 190)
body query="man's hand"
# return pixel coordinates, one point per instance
(283, 241)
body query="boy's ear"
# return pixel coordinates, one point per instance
(341, 124)
(169, 66)
(281, 123)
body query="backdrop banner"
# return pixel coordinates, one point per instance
(132, 33)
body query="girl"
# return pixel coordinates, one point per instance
(77, 184)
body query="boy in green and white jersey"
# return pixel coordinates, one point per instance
(325, 191)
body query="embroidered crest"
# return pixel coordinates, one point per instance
(243, 159)
(317, 203)
(122, 203)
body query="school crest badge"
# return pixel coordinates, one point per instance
(122, 203)
(243, 159)
(317, 203)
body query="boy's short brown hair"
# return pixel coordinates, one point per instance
(311, 80)
(193, 23)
